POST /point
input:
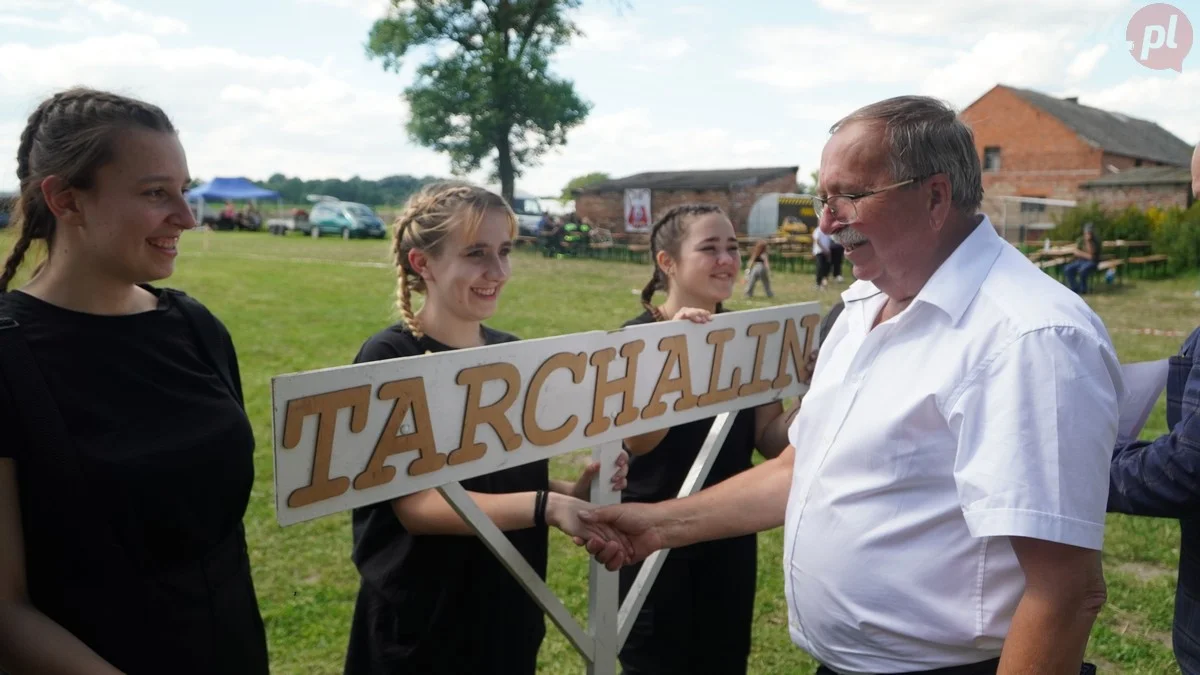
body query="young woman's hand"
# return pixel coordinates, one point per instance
(693, 314)
(583, 486)
(562, 512)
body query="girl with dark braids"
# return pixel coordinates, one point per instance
(126, 456)
(432, 598)
(697, 617)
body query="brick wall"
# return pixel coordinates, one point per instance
(1141, 196)
(1039, 155)
(1122, 162)
(606, 209)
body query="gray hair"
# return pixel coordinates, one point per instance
(925, 136)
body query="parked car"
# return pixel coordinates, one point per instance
(350, 220)
(529, 213)
(7, 202)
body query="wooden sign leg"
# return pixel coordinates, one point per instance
(650, 568)
(512, 559)
(602, 585)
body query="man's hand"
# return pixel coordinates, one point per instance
(633, 526)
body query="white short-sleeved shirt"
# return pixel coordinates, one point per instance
(986, 409)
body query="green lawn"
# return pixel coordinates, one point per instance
(296, 304)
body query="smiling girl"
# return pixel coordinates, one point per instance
(126, 459)
(433, 599)
(704, 594)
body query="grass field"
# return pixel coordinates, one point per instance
(296, 304)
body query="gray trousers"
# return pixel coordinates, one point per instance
(758, 273)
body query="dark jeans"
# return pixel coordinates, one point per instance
(823, 265)
(1077, 272)
(837, 254)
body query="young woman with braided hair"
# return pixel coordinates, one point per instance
(432, 598)
(704, 594)
(126, 457)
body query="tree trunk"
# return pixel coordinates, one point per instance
(504, 166)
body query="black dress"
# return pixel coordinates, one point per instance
(143, 555)
(443, 604)
(697, 618)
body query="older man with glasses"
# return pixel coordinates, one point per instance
(944, 494)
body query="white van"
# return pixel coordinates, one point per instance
(528, 208)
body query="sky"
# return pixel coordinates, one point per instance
(265, 86)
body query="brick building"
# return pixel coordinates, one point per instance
(1035, 145)
(734, 190)
(1162, 186)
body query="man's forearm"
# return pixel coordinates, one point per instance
(752, 501)
(1048, 635)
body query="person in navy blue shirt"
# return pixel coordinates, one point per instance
(1161, 478)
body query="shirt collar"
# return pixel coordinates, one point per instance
(956, 282)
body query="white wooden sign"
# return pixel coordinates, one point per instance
(359, 434)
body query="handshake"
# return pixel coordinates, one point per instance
(623, 534)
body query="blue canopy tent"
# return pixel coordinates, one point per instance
(233, 189)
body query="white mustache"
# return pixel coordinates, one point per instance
(848, 236)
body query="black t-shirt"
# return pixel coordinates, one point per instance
(156, 429)
(442, 603)
(658, 474)
(167, 452)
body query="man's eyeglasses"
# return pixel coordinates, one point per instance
(843, 208)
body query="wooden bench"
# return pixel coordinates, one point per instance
(637, 251)
(1052, 262)
(1156, 264)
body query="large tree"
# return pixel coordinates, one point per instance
(485, 87)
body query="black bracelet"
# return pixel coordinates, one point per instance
(539, 508)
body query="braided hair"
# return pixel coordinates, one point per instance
(428, 219)
(70, 135)
(668, 234)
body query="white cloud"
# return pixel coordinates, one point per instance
(698, 11)
(113, 11)
(1085, 62)
(106, 11)
(1168, 100)
(69, 24)
(371, 9)
(237, 114)
(603, 33)
(936, 17)
(1036, 59)
(870, 61)
(959, 74)
(623, 40)
(24, 5)
(671, 48)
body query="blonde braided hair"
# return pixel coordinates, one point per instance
(429, 217)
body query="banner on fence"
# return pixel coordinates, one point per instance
(637, 210)
(359, 434)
